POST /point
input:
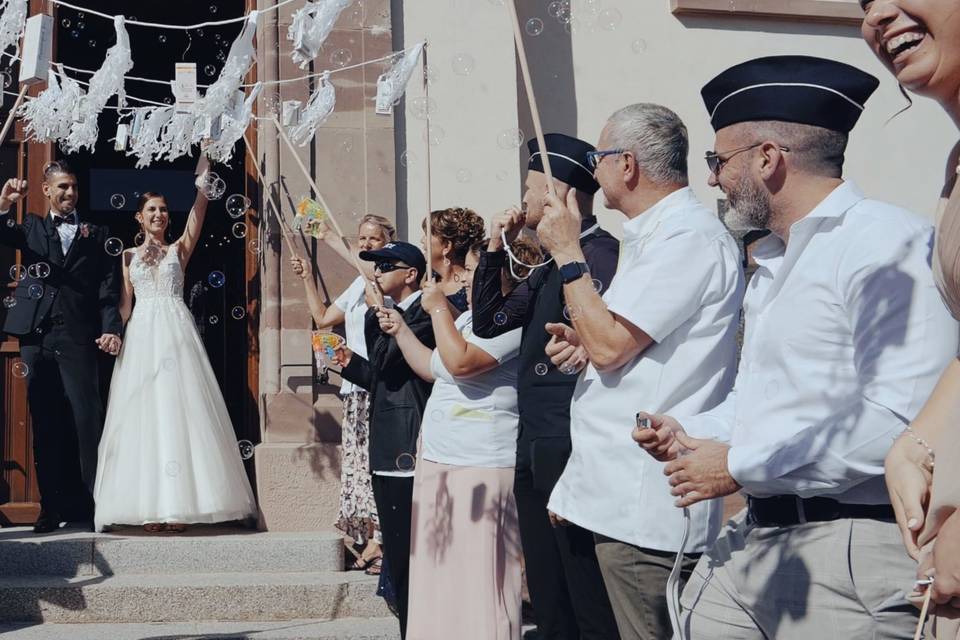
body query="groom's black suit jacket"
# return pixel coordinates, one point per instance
(83, 286)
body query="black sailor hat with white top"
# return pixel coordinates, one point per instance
(802, 89)
(568, 161)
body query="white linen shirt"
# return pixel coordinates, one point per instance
(846, 336)
(354, 307)
(679, 280)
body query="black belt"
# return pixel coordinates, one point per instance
(785, 511)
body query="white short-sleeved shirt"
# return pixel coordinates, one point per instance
(354, 308)
(679, 280)
(472, 422)
(846, 337)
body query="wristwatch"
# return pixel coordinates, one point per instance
(573, 271)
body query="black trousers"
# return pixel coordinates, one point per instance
(63, 392)
(394, 499)
(563, 576)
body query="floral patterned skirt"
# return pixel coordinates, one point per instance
(358, 512)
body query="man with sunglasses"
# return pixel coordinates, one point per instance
(64, 309)
(662, 335)
(397, 399)
(846, 336)
(563, 577)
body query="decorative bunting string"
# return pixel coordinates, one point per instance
(160, 25)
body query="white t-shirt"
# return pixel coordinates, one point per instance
(472, 422)
(679, 280)
(354, 308)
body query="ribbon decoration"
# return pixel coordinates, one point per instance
(318, 109)
(233, 124)
(105, 83)
(310, 27)
(242, 54)
(392, 83)
(13, 18)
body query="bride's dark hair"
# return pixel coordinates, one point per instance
(146, 197)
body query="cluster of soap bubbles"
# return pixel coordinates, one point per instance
(237, 205)
(583, 12)
(510, 138)
(38, 270)
(213, 187)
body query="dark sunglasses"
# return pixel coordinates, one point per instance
(594, 157)
(715, 161)
(387, 267)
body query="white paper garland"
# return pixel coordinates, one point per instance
(396, 78)
(239, 60)
(147, 143)
(232, 127)
(318, 109)
(13, 18)
(310, 27)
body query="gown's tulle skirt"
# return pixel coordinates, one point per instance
(168, 451)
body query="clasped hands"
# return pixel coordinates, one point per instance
(109, 343)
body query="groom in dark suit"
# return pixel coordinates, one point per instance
(66, 308)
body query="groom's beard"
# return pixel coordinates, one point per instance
(749, 206)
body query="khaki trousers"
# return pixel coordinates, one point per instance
(840, 579)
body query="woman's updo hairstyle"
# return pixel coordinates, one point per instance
(462, 227)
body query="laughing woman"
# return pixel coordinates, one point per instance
(919, 42)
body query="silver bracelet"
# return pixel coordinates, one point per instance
(923, 443)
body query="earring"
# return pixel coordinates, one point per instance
(446, 261)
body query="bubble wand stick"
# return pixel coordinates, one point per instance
(428, 243)
(284, 229)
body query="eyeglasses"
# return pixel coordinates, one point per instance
(387, 267)
(594, 157)
(715, 161)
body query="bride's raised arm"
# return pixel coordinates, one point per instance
(191, 233)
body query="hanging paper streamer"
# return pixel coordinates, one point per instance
(146, 142)
(318, 109)
(311, 218)
(13, 17)
(241, 57)
(392, 84)
(177, 136)
(233, 124)
(310, 26)
(49, 116)
(105, 83)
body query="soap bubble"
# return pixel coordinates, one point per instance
(564, 14)
(434, 135)
(7, 79)
(406, 462)
(17, 272)
(213, 8)
(541, 368)
(639, 45)
(500, 318)
(597, 285)
(567, 369)
(239, 230)
(254, 247)
(9, 302)
(118, 201)
(238, 312)
(74, 34)
(246, 449)
(172, 469)
(222, 56)
(609, 18)
(80, 23)
(534, 26)
(341, 58)
(20, 369)
(237, 205)
(162, 38)
(38, 270)
(210, 70)
(502, 175)
(510, 139)
(113, 246)
(464, 175)
(140, 238)
(214, 319)
(463, 64)
(422, 107)
(92, 43)
(406, 157)
(65, 23)
(35, 291)
(216, 279)
(572, 312)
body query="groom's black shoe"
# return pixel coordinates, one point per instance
(46, 522)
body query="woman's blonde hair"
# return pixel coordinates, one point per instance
(389, 231)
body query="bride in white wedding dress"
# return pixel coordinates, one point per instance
(168, 455)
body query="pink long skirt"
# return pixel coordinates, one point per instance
(464, 554)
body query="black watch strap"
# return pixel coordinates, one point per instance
(573, 271)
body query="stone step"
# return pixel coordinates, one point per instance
(233, 597)
(209, 549)
(342, 629)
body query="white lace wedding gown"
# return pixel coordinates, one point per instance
(168, 451)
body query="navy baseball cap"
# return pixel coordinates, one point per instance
(403, 251)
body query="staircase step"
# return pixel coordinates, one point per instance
(210, 549)
(342, 629)
(179, 597)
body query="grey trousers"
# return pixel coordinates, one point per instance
(840, 579)
(636, 581)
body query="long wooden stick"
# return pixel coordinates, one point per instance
(284, 229)
(923, 613)
(531, 99)
(428, 243)
(316, 190)
(13, 113)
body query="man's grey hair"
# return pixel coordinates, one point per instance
(656, 137)
(812, 150)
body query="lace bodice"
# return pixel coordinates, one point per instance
(156, 273)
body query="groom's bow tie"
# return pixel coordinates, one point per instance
(70, 218)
